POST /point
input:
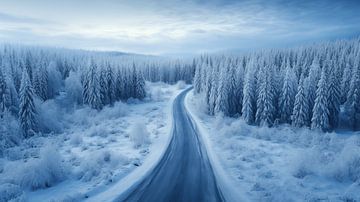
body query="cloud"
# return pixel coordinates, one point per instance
(8, 18)
(177, 25)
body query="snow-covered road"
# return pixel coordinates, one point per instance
(184, 173)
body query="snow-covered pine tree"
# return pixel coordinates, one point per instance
(345, 82)
(334, 99)
(221, 101)
(265, 102)
(40, 82)
(212, 90)
(300, 112)
(353, 99)
(27, 111)
(139, 85)
(197, 79)
(85, 78)
(94, 99)
(288, 95)
(249, 96)
(320, 117)
(205, 79)
(311, 84)
(235, 90)
(103, 87)
(13, 103)
(110, 84)
(3, 93)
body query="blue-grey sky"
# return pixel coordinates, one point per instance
(176, 26)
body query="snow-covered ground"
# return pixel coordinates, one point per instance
(282, 163)
(92, 151)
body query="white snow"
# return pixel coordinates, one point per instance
(280, 163)
(94, 152)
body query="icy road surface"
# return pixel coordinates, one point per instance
(184, 173)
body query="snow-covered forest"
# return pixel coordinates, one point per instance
(61, 108)
(29, 76)
(316, 86)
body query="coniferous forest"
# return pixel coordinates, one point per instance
(315, 86)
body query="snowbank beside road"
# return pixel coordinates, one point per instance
(282, 163)
(94, 151)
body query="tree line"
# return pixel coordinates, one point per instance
(306, 87)
(28, 74)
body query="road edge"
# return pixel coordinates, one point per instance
(136, 176)
(225, 184)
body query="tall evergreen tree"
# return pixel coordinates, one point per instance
(311, 84)
(300, 115)
(139, 85)
(103, 88)
(288, 96)
(334, 99)
(94, 98)
(212, 88)
(197, 80)
(249, 103)
(40, 83)
(27, 111)
(353, 99)
(345, 82)
(320, 118)
(265, 102)
(221, 101)
(110, 84)
(3, 93)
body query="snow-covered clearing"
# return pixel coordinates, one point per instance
(282, 163)
(94, 149)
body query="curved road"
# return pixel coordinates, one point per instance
(184, 173)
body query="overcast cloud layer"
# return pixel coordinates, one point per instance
(174, 26)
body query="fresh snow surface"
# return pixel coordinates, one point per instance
(94, 150)
(280, 163)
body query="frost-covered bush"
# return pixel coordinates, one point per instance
(139, 134)
(76, 139)
(54, 79)
(180, 85)
(11, 192)
(73, 88)
(113, 112)
(81, 116)
(342, 164)
(49, 116)
(99, 165)
(10, 132)
(156, 94)
(43, 172)
(346, 164)
(86, 116)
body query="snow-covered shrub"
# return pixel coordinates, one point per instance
(113, 112)
(98, 130)
(83, 116)
(76, 139)
(139, 134)
(342, 164)
(99, 165)
(49, 116)
(44, 172)
(10, 132)
(73, 88)
(180, 85)
(156, 94)
(346, 164)
(54, 79)
(11, 192)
